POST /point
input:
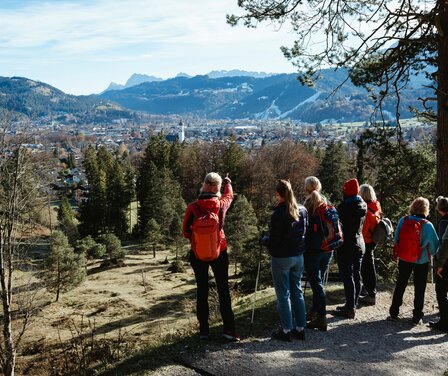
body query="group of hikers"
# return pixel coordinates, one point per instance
(304, 238)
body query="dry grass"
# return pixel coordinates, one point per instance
(114, 301)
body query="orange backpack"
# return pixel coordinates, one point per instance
(205, 234)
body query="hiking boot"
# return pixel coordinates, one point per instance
(438, 325)
(348, 313)
(392, 318)
(311, 316)
(231, 335)
(298, 334)
(369, 300)
(319, 323)
(393, 313)
(281, 335)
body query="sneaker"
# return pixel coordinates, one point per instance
(416, 321)
(392, 318)
(231, 335)
(298, 335)
(281, 336)
(438, 325)
(340, 308)
(203, 336)
(348, 313)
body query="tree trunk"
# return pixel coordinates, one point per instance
(9, 357)
(442, 108)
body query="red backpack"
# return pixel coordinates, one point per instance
(408, 247)
(205, 234)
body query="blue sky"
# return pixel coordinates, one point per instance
(80, 46)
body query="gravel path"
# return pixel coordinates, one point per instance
(367, 345)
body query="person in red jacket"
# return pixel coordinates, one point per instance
(373, 216)
(211, 200)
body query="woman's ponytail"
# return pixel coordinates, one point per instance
(285, 191)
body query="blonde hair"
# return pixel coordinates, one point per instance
(312, 184)
(367, 193)
(285, 191)
(313, 201)
(420, 206)
(212, 183)
(442, 204)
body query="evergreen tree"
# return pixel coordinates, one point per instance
(176, 233)
(89, 247)
(65, 210)
(395, 170)
(241, 227)
(67, 222)
(93, 211)
(64, 269)
(333, 171)
(110, 194)
(114, 250)
(153, 237)
(234, 162)
(158, 192)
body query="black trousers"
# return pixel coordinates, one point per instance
(349, 264)
(368, 272)
(220, 268)
(442, 294)
(420, 277)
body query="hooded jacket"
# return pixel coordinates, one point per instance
(352, 212)
(286, 235)
(373, 217)
(208, 201)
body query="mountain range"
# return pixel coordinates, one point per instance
(223, 96)
(277, 97)
(36, 99)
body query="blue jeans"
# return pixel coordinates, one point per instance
(287, 274)
(316, 264)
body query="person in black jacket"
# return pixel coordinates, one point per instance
(352, 211)
(441, 266)
(286, 245)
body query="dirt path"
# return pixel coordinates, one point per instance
(367, 345)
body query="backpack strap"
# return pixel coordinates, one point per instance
(196, 209)
(374, 213)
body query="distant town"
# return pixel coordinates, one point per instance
(67, 142)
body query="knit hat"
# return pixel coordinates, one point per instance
(351, 187)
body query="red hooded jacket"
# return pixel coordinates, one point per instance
(208, 201)
(373, 216)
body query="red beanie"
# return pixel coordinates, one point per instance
(351, 187)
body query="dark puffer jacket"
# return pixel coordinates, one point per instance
(352, 212)
(286, 235)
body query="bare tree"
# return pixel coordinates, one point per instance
(19, 187)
